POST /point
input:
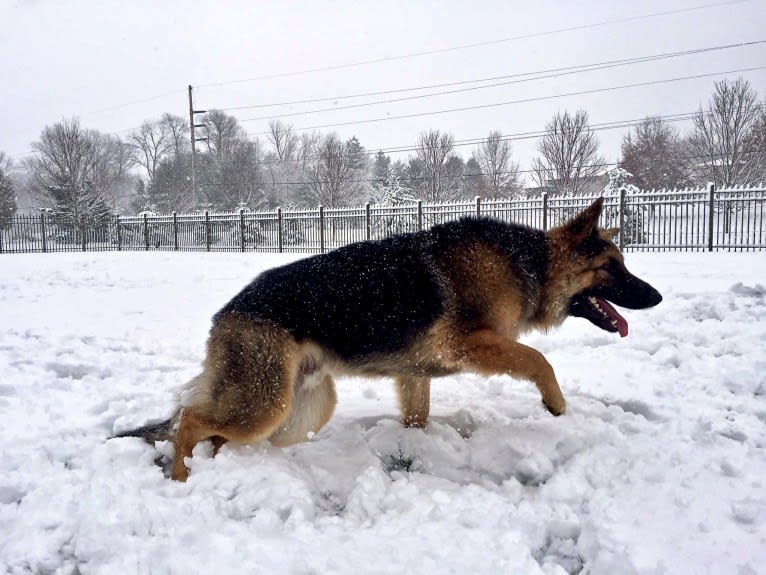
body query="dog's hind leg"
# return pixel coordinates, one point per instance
(414, 400)
(191, 430)
(488, 352)
(245, 391)
(312, 407)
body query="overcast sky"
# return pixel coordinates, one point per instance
(115, 64)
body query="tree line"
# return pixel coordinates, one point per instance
(88, 176)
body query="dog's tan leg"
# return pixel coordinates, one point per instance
(488, 352)
(414, 400)
(191, 430)
(312, 408)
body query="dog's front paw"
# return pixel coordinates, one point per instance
(557, 407)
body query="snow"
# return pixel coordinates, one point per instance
(657, 467)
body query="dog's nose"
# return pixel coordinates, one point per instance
(653, 298)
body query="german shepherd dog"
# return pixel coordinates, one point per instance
(411, 307)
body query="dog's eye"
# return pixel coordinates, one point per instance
(609, 266)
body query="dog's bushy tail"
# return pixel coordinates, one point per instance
(151, 432)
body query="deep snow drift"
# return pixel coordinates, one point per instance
(658, 466)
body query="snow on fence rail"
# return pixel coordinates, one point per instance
(701, 219)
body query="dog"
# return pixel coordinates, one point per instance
(411, 307)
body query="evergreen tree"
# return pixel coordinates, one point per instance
(633, 221)
(380, 167)
(475, 181)
(390, 191)
(357, 155)
(7, 200)
(79, 205)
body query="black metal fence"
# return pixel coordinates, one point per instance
(701, 219)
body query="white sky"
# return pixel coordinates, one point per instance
(114, 64)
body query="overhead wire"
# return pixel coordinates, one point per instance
(520, 101)
(472, 45)
(428, 52)
(518, 78)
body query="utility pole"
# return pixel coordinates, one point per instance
(194, 140)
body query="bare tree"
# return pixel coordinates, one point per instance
(223, 133)
(332, 178)
(178, 131)
(77, 172)
(161, 147)
(498, 170)
(283, 173)
(569, 157)
(284, 140)
(308, 147)
(6, 163)
(436, 154)
(722, 141)
(656, 156)
(149, 145)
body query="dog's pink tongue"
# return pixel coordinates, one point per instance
(621, 323)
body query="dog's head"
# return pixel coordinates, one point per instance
(589, 271)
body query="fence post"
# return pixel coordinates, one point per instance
(83, 235)
(420, 215)
(207, 230)
(146, 233)
(175, 232)
(367, 220)
(321, 229)
(241, 230)
(621, 216)
(477, 200)
(119, 234)
(45, 238)
(710, 214)
(280, 238)
(544, 197)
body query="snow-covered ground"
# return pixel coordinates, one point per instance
(659, 466)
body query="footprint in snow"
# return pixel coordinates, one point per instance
(76, 371)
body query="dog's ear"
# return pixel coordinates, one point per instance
(609, 234)
(579, 228)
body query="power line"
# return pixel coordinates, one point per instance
(521, 101)
(522, 77)
(539, 75)
(425, 53)
(133, 103)
(475, 44)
